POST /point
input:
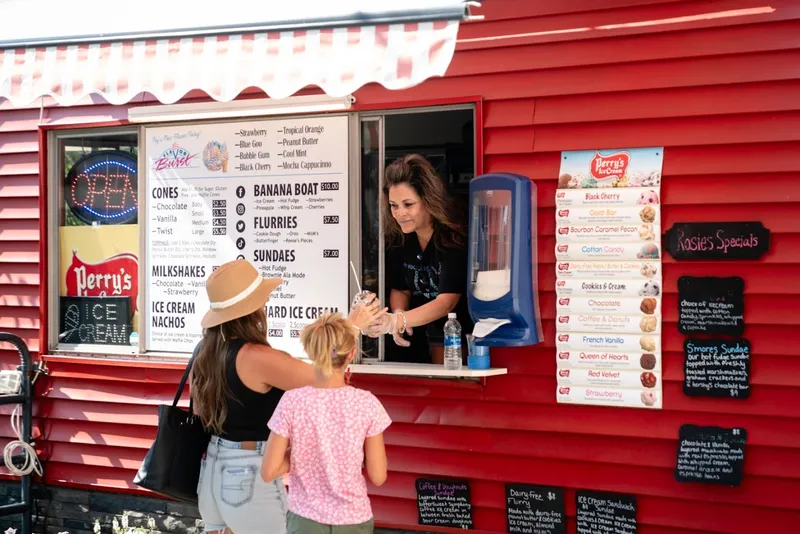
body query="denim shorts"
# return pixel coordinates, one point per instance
(231, 493)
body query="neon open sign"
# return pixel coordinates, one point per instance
(102, 186)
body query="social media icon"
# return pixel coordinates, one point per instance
(240, 243)
(240, 209)
(240, 257)
(240, 191)
(240, 226)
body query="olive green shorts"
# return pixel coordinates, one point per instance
(300, 525)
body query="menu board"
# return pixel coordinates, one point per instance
(711, 455)
(717, 240)
(444, 503)
(535, 510)
(711, 305)
(716, 368)
(605, 513)
(273, 192)
(608, 278)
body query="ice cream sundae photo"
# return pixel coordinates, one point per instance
(215, 156)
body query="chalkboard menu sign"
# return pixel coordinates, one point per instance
(96, 320)
(716, 368)
(717, 241)
(711, 305)
(712, 455)
(444, 503)
(605, 513)
(535, 510)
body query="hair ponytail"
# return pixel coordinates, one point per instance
(328, 342)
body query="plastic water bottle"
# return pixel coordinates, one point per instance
(452, 343)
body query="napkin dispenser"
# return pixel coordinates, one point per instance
(502, 261)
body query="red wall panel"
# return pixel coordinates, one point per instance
(715, 83)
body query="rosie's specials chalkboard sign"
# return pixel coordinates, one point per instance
(711, 305)
(717, 241)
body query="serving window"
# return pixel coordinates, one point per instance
(140, 217)
(444, 136)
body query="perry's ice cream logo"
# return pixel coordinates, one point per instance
(175, 157)
(563, 391)
(563, 248)
(215, 156)
(563, 338)
(563, 373)
(113, 277)
(563, 355)
(611, 166)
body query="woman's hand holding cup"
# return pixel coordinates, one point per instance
(366, 310)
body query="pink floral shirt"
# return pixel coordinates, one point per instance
(326, 429)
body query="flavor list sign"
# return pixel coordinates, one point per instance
(608, 278)
(444, 503)
(273, 192)
(535, 510)
(605, 513)
(717, 241)
(716, 368)
(711, 455)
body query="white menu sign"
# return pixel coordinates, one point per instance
(273, 192)
(608, 278)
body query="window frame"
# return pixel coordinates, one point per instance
(379, 115)
(51, 167)
(54, 203)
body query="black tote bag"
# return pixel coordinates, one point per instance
(172, 465)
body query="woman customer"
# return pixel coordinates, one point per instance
(237, 381)
(332, 429)
(426, 258)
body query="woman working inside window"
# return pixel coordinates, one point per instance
(426, 257)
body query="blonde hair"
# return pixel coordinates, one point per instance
(328, 341)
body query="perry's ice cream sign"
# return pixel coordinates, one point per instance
(116, 276)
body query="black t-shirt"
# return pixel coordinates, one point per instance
(426, 274)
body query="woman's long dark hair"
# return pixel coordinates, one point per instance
(209, 387)
(419, 174)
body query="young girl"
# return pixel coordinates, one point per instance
(332, 429)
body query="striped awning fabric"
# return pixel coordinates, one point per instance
(338, 60)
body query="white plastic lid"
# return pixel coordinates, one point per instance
(451, 315)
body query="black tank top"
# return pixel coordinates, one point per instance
(248, 411)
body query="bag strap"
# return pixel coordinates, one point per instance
(185, 377)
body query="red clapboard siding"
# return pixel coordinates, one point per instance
(715, 82)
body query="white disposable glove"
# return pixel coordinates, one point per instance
(390, 323)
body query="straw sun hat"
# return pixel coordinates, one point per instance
(235, 290)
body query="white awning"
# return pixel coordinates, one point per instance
(169, 48)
